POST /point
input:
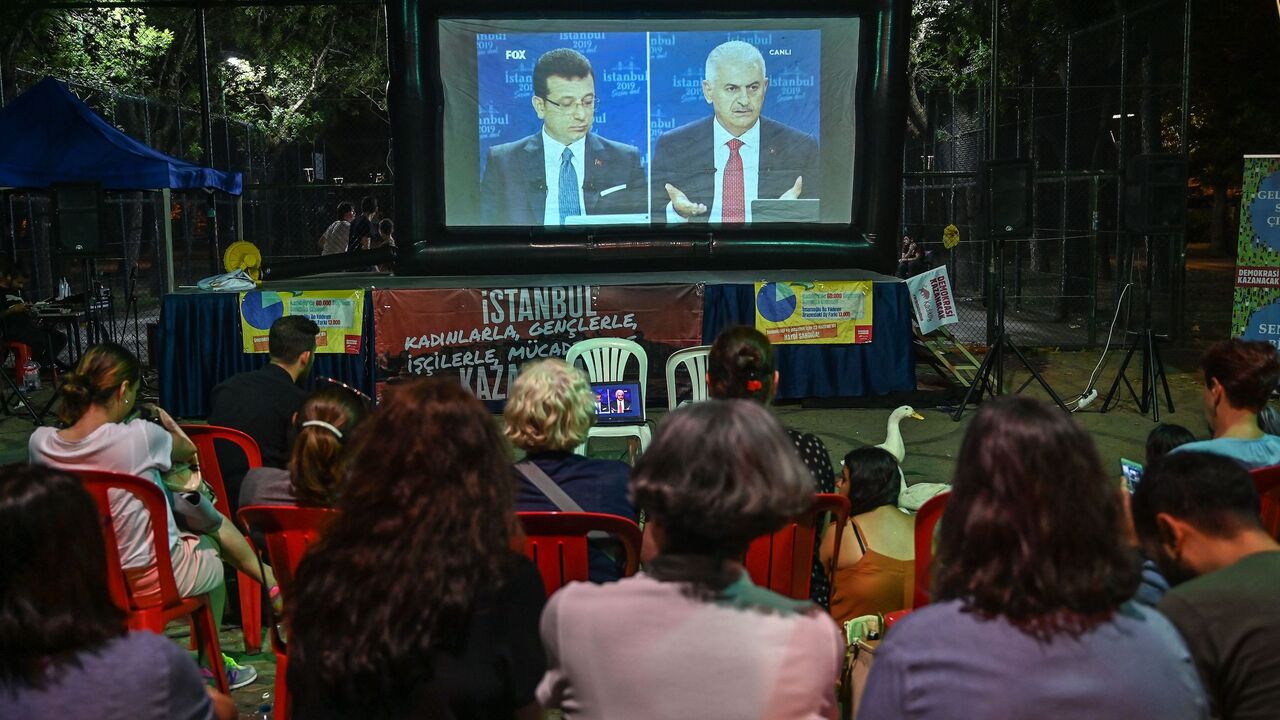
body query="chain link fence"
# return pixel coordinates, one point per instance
(289, 199)
(1079, 111)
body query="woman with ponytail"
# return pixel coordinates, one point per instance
(106, 432)
(318, 463)
(741, 367)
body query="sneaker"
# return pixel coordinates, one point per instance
(237, 675)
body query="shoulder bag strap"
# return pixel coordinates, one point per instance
(561, 500)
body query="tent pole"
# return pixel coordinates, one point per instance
(166, 197)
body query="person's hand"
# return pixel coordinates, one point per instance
(681, 203)
(364, 243)
(794, 192)
(1127, 531)
(157, 412)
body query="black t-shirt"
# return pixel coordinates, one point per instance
(1231, 622)
(494, 673)
(260, 403)
(361, 227)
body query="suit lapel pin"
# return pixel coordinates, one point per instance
(773, 150)
(599, 162)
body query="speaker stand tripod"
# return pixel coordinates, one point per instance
(993, 363)
(1144, 341)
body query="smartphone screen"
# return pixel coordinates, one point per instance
(1132, 473)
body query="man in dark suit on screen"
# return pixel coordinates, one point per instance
(564, 170)
(711, 170)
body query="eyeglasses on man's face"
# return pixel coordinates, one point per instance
(587, 103)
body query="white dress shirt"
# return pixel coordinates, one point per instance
(750, 154)
(552, 150)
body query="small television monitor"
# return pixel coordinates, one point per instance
(618, 403)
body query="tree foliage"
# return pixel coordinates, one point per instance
(286, 71)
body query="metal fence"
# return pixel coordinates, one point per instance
(1114, 89)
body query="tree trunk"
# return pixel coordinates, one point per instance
(1220, 242)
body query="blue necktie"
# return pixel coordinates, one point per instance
(568, 187)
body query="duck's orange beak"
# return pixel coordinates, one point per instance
(917, 416)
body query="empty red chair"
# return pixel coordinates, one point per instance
(288, 532)
(1267, 481)
(21, 354)
(783, 561)
(926, 521)
(557, 543)
(153, 613)
(205, 438)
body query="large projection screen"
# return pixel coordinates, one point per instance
(663, 123)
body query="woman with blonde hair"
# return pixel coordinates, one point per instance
(550, 410)
(318, 463)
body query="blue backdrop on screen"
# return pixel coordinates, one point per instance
(792, 60)
(505, 85)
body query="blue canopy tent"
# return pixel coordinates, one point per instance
(48, 136)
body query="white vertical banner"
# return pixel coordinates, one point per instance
(931, 299)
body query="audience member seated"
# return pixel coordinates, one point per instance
(318, 465)
(1163, 438)
(17, 320)
(1031, 615)
(875, 567)
(1239, 377)
(548, 414)
(262, 403)
(740, 366)
(414, 604)
(95, 402)
(1197, 514)
(691, 636)
(66, 652)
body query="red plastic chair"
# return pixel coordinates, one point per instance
(288, 532)
(21, 354)
(1267, 482)
(205, 438)
(783, 561)
(926, 521)
(154, 615)
(557, 543)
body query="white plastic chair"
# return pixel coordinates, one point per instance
(606, 360)
(694, 360)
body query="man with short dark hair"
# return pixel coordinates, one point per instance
(565, 169)
(335, 238)
(363, 229)
(262, 402)
(1196, 514)
(1239, 377)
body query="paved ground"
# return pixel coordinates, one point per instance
(931, 445)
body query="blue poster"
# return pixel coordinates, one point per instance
(677, 65)
(505, 63)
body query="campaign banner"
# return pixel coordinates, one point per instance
(1256, 311)
(483, 336)
(931, 299)
(814, 313)
(339, 313)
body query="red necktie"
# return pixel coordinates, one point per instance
(732, 196)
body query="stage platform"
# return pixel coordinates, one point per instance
(201, 342)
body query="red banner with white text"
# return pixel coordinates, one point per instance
(484, 335)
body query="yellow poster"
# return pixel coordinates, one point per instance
(814, 313)
(339, 313)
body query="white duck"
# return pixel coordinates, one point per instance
(893, 435)
(910, 498)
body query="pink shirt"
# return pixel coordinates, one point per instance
(137, 447)
(640, 648)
